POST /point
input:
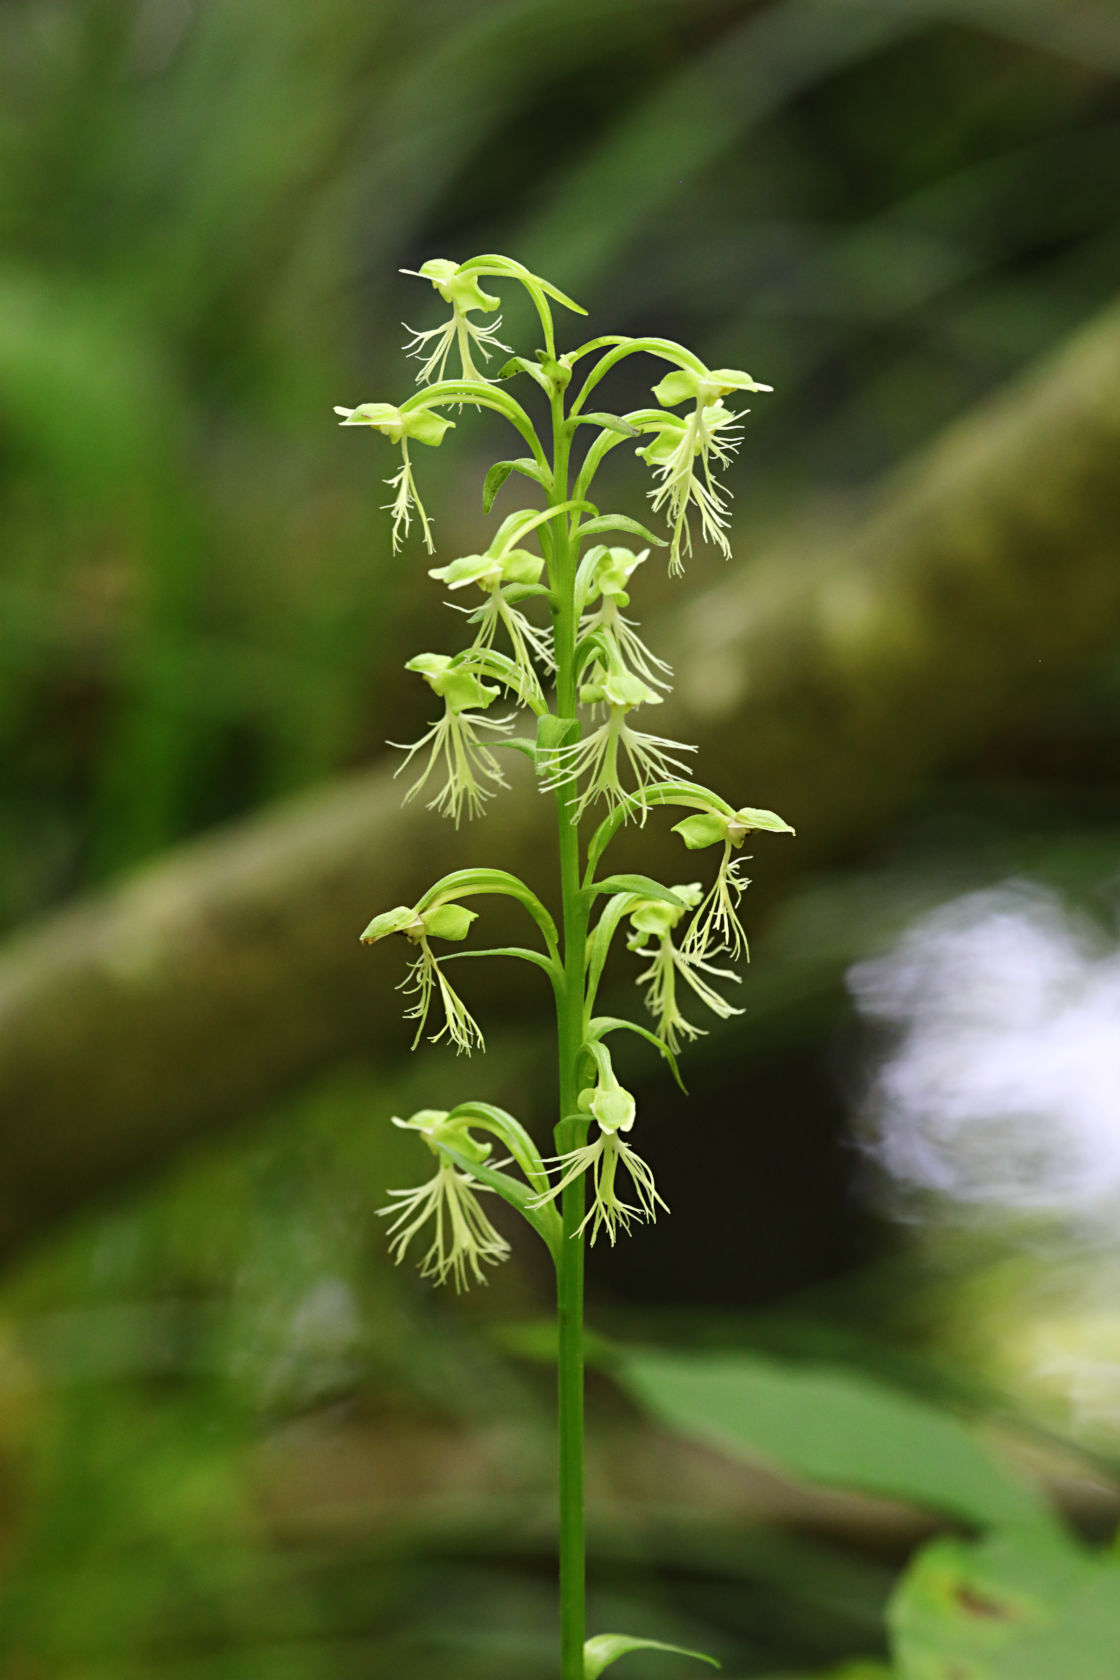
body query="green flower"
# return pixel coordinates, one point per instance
(456, 286)
(425, 977)
(463, 1238)
(502, 574)
(466, 296)
(399, 426)
(703, 388)
(598, 760)
(606, 572)
(491, 570)
(716, 925)
(454, 739)
(613, 1109)
(707, 434)
(654, 923)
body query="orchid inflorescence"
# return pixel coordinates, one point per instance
(678, 931)
(546, 605)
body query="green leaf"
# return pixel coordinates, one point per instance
(595, 645)
(515, 592)
(604, 341)
(604, 1024)
(645, 885)
(491, 663)
(532, 517)
(553, 731)
(544, 1220)
(1014, 1606)
(518, 364)
(516, 526)
(834, 1426)
(510, 533)
(501, 470)
(608, 422)
(605, 1648)
(516, 743)
(599, 941)
(500, 1123)
(601, 446)
(620, 522)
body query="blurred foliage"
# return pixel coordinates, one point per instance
(1025, 1600)
(831, 1427)
(202, 208)
(235, 1441)
(187, 1384)
(209, 1392)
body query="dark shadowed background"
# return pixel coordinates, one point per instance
(234, 1441)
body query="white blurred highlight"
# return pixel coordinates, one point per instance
(1003, 1086)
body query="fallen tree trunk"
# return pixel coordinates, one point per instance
(824, 686)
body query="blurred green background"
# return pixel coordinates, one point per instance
(233, 1441)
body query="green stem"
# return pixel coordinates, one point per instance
(569, 1130)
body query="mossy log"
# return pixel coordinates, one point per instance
(825, 680)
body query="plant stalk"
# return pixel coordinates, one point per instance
(570, 1131)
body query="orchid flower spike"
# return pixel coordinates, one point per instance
(502, 574)
(654, 922)
(613, 1109)
(466, 296)
(707, 434)
(606, 572)
(463, 1238)
(399, 425)
(425, 977)
(597, 760)
(454, 738)
(716, 926)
